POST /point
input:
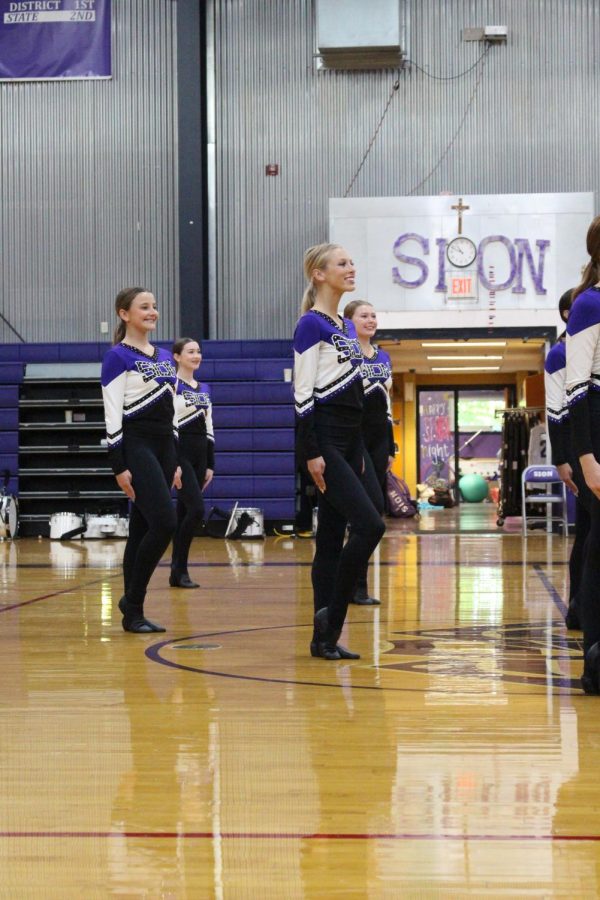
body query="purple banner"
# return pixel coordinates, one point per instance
(46, 39)
(436, 435)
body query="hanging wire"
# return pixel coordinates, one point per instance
(449, 77)
(395, 88)
(458, 130)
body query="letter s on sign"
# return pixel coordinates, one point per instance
(410, 260)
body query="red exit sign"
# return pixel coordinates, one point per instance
(462, 286)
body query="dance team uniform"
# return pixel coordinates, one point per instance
(559, 433)
(328, 393)
(196, 454)
(378, 437)
(583, 398)
(378, 431)
(141, 429)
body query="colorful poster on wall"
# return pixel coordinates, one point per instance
(43, 40)
(436, 435)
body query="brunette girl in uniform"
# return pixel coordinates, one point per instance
(378, 432)
(196, 454)
(138, 387)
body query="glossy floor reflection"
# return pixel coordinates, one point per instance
(457, 758)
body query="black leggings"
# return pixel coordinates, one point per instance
(376, 465)
(578, 550)
(337, 567)
(377, 444)
(190, 503)
(152, 462)
(588, 593)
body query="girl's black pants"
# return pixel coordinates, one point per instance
(337, 566)
(152, 461)
(587, 558)
(376, 465)
(190, 503)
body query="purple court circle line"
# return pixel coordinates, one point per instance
(153, 653)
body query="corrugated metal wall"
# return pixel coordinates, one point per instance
(88, 186)
(531, 128)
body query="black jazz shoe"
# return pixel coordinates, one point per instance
(325, 640)
(362, 598)
(590, 680)
(134, 621)
(343, 651)
(572, 617)
(182, 580)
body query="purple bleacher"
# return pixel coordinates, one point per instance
(9, 419)
(248, 439)
(11, 372)
(264, 392)
(9, 395)
(9, 442)
(244, 369)
(280, 417)
(235, 485)
(253, 414)
(253, 464)
(9, 461)
(269, 349)
(256, 416)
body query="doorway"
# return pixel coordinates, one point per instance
(459, 432)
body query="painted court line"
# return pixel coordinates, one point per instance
(76, 587)
(295, 836)
(555, 596)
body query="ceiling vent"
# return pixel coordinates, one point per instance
(355, 34)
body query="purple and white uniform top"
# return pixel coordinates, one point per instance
(138, 392)
(327, 373)
(583, 366)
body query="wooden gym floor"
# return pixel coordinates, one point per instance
(458, 758)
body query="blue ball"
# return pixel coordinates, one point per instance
(473, 488)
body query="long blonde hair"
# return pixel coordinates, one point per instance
(591, 273)
(315, 257)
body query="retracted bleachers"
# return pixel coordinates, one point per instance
(253, 420)
(11, 376)
(254, 425)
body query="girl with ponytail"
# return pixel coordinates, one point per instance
(138, 386)
(196, 454)
(328, 394)
(377, 427)
(583, 401)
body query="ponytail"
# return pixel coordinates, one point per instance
(119, 332)
(308, 299)
(590, 277)
(123, 302)
(315, 258)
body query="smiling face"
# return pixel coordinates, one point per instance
(189, 358)
(365, 321)
(338, 273)
(142, 314)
